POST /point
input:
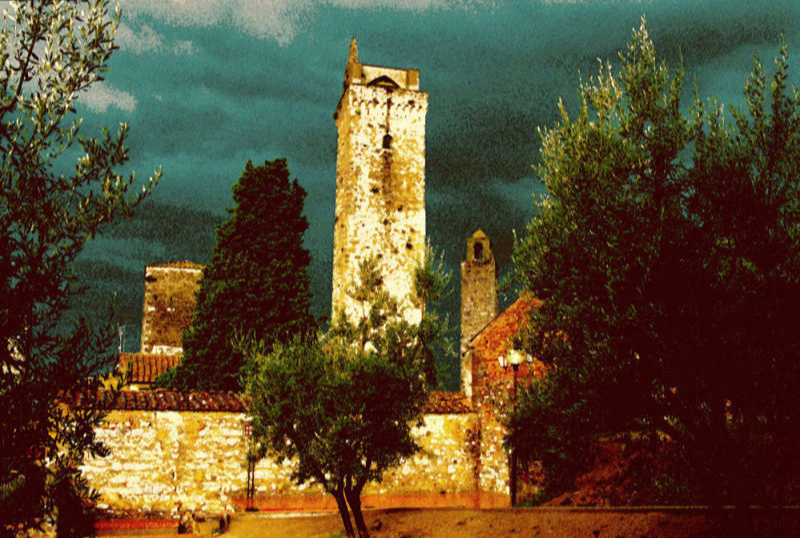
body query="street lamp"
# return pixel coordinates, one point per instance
(514, 359)
(251, 468)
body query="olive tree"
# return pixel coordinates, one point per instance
(50, 52)
(344, 405)
(667, 259)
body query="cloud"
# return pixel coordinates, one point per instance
(278, 20)
(184, 47)
(146, 40)
(101, 95)
(411, 5)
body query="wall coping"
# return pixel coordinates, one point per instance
(439, 402)
(191, 266)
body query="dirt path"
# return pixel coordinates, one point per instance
(507, 522)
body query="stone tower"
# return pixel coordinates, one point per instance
(478, 297)
(169, 299)
(380, 178)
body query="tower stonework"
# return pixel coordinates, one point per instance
(478, 298)
(380, 179)
(169, 299)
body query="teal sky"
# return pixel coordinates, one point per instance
(207, 84)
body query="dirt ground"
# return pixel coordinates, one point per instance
(513, 522)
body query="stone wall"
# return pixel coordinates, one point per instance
(445, 464)
(166, 462)
(492, 391)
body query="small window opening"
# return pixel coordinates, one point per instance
(387, 141)
(479, 251)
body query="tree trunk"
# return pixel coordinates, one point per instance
(735, 469)
(718, 453)
(742, 522)
(342, 504)
(354, 500)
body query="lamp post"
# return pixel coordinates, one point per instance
(251, 469)
(514, 359)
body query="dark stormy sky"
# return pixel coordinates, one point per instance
(207, 84)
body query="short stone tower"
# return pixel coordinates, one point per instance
(478, 298)
(169, 299)
(380, 178)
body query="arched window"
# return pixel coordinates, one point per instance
(479, 251)
(387, 141)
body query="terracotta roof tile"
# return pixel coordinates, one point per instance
(495, 339)
(505, 324)
(439, 403)
(162, 400)
(144, 367)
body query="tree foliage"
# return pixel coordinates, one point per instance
(257, 284)
(50, 52)
(667, 260)
(344, 405)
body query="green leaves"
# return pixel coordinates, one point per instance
(666, 258)
(49, 53)
(334, 408)
(344, 404)
(257, 284)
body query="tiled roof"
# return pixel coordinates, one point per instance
(506, 324)
(439, 403)
(177, 265)
(144, 367)
(162, 400)
(495, 340)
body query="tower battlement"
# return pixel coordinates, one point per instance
(358, 73)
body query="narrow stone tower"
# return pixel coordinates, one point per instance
(380, 179)
(478, 298)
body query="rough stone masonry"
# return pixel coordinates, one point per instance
(380, 179)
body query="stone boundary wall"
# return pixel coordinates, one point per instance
(167, 462)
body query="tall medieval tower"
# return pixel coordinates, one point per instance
(380, 179)
(478, 298)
